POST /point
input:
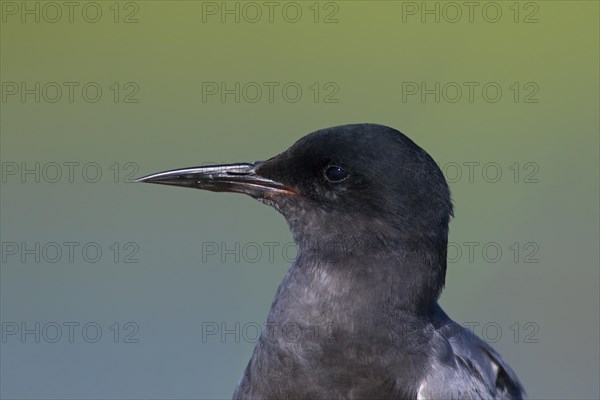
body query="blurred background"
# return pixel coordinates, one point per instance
(115, 290)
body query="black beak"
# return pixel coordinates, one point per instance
(239, 178)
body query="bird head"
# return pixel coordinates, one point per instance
(352, 188)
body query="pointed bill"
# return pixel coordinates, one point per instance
(238, 178)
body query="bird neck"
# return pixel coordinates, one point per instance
(412, 270)
(410, 256)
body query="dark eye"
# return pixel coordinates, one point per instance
(333, 173)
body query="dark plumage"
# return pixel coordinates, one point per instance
(369, 210)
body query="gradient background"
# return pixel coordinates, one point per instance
(174, 288)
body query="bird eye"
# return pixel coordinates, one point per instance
(333, 173)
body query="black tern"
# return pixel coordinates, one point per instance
(369, 210)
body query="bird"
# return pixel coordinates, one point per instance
(369, 211)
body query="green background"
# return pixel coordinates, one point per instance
(367, 55)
